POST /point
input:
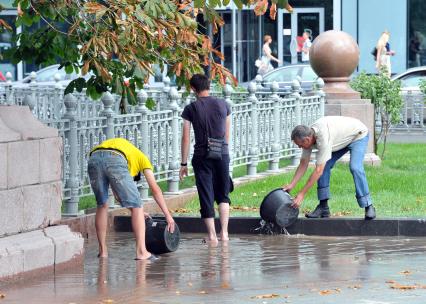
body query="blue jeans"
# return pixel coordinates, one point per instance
(357, 150)
(106, 169)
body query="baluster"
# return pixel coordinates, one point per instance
(143, 127)
(298, 114)
(253, 151)
(9, 89)
(319, 90)
(227, 91)
(274, 164)
(173, 181)
(71, 204)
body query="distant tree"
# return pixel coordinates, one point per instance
(117, 42)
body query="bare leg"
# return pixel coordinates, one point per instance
(138, 225)
(224, 219)
(211, 231)
(101, 222)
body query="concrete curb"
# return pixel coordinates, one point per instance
(407, 227)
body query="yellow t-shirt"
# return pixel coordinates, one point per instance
(136, 160)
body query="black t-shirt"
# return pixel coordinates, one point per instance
(208, 117)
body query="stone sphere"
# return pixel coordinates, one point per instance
(334, 54)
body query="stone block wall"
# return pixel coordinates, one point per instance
(30, 172)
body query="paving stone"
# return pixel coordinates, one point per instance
(38, 250)
(50, 159)
(11, 211)
(23, 164)
(11, 258)
(68, 244)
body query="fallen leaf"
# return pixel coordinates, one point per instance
(329, 291)
(108, 301)
(390, 282)
(189, 284)
(203, 292)
(406, 272)
(2, 295)
(355, 287)
(225, 285)
(181, 210)
(266, 296)
(403, 287)
(254, 194)
(177, 292)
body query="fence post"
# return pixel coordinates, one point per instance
(253, 150)
(295, 88)
(143, 110)
(71, 204)
(274, 164)
(227, 91)
(319, 86)
(173, 181)
(9, 89)
(57, 106)
(108, 102)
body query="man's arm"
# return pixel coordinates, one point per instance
(185, 147)
(158, 197)
(319, 169)
(300, 171)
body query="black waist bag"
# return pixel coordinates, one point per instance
(214, 148)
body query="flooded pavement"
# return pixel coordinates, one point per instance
(250, 269)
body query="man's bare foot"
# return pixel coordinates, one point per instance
(102, 255)
(211, 242)
(147, 257)
(224, 237)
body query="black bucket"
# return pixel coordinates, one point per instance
(276, 208)
(157, 239)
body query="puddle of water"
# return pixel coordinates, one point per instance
(295, 269)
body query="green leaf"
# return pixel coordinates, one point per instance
(226, 2)
(69, 68)
(150, 103)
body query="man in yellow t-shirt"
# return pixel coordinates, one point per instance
(118, 163)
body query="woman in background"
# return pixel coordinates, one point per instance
(383, 54)
(265, 63)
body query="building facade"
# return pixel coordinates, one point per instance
(241, 38)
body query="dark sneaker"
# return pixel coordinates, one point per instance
(370, 212)
(319, 212)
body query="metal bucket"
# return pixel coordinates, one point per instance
(276, 208)
(157, 239)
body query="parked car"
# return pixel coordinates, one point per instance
(47, 75)
(410, 78)
(285, 75)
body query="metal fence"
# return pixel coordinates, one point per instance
(260, 129)
(413, 113)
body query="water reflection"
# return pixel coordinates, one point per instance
(236, 271)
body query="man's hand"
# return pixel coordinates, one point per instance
(288, 187)
(170, 224)
(183, 171)
(297, 202)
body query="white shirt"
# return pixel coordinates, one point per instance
(306, 45)
(333, 133)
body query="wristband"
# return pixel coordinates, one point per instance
(183, 164)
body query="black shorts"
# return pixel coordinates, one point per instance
(213, 182)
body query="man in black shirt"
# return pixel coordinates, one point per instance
(210, 118)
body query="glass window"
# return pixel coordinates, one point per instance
(49, 73)
(417, 33)
(6, 42)
(412, 80)
(309, 74)
(282, 75)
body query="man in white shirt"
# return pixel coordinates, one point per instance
(332, 136)
(306, 46)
